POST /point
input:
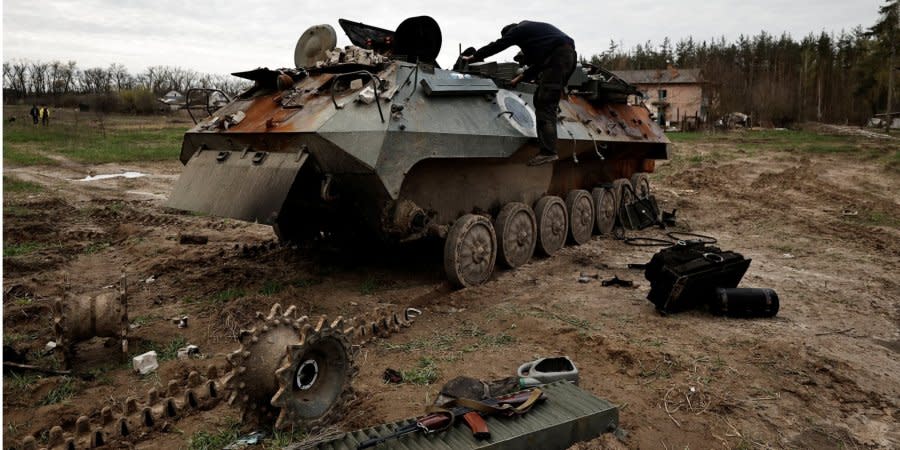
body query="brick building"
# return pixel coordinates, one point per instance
(676, 97)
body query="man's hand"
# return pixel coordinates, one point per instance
(515, 80)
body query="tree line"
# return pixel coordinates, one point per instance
(844, 77)
(66, 84)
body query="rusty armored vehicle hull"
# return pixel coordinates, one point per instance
(363, 141)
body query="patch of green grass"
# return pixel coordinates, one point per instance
(95, 247)
(439, 342)
(13, 184)
(19, 382)
(15, 338)
(695, 159)
(101, 375)
(877, 219)
(424, 374)
(369, 286)
(215, 440)
(497, 340)
(17, 211)
(281, 439)
(62, 392)
(170, 350)
(20, 249)
(143, 320)
(271, 287)
(829, 148)
(87, 144)
(228, 295)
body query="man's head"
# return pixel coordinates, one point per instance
(507, 28)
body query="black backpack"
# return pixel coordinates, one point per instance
(687, 274)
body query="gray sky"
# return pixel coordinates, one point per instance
(227, 36)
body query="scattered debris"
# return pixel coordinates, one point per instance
(192, 239)
(188, 352)
(16, 365)
(79, 318)
(50, 346)
(182, 321)
(92, 177)
(367, 95)
(668, 218)
(615, 281)
(392, 376)
(146, 363)
(585, 278)
(253, 438)
(150, 279)
(547, 370)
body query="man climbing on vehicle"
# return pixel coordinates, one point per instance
(550, 56)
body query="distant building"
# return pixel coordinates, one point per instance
(674, 96)
(173, 99)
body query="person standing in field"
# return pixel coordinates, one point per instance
(34, 113)
(45, 115)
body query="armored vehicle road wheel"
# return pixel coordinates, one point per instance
(552, 224)
(605, 207)
(470, 251)
(581, 216)
(516, 234)
(314, 382)
(640, 181)
(623, 192)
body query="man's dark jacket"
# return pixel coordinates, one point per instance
(536, 39)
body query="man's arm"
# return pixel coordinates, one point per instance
(506, 41)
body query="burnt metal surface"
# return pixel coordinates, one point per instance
(250, 185)
(383, 136)
(569, 415)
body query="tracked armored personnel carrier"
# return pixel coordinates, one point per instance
(376, 140)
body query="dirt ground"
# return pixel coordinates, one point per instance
(823, 230)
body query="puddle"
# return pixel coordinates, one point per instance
(113, 175)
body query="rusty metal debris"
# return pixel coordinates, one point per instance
(79, 318)
(305, 385)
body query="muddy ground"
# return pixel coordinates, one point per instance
(821, 228)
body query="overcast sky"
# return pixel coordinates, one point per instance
(227, 36)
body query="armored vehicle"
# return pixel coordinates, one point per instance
(375, 139)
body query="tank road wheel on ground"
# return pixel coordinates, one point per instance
(581, 216)
(470, 251)
(605, 207)
(640, 181)
(552, 224)
(516, 234)
(623, 194)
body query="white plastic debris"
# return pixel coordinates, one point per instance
(188, 352)
(237, 117)
(150, 279)
(182, 321)
(146, 363)
(50, 346)
(367, 95)
(93, 177)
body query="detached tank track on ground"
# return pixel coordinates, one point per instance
(134, 420)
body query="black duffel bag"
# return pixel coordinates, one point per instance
(687, 274)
